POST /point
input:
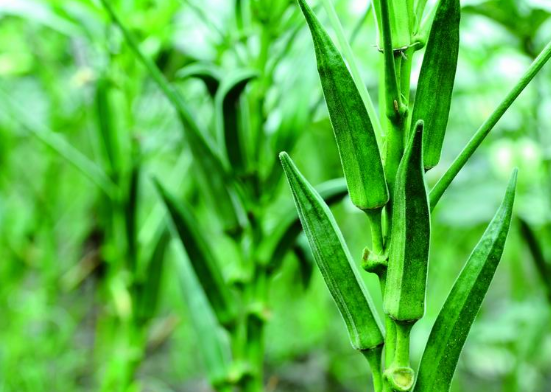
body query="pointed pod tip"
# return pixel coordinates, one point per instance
(513, 179)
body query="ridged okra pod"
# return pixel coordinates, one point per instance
(356, 141)
(409, 245)
(334, 261)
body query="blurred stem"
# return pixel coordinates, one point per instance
(444, 182)
(350, 59)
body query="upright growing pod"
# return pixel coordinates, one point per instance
(434, 90)
(334, 261)
(353, 130)
(409, 247)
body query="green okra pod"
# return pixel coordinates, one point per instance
(434, 90)
(410, 236)
(454, 321)
(356, 141)
(334, 261)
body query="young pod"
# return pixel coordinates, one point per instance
(410, 236)
(352, 127)
(334, 261)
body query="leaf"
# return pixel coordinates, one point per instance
(454, 321)
(477, 139)
(276, 245)
(334, 261)
(206, 72)
(61, 147)
(149, 284)
(211, 340)
(106, 130)
(434, 90)
(538, 257)
(131, 211)
(406, 282)
(227, 103)
(201, 258)
(353, 130)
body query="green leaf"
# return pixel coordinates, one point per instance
(353, 130)
(227, 104)
(202, 260)
(149, 283)
(276, 245)
(107, 131)
(477, 139)
(434, 90)
(212, 342)
(454, 321)
(131, 211)
(334, 261)
(404, 298)
(206, 72)
(60, 145)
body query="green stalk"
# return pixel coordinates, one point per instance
(350, 59)
(445, 181)
(374, 357)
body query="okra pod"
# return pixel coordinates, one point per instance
(410, 236)
(356, 141)
(334, 261)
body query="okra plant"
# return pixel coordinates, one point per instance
(384, 160)
(238, 172)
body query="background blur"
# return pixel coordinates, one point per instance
(59, 302)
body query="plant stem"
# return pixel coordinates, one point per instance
(375, 224)
(393, 99)
(445, 181)
(374, 357)
(401, 354)
(350, 59)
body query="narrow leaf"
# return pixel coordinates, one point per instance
(227, 103)
(454, 321)
(201, 258)
(149, 285)
(212, 342)
(106, 130)
(434, 90)
(334, 261)
(61, 146)
(404, 298)
(353, 130)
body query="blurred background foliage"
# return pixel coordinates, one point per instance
(62, 294)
